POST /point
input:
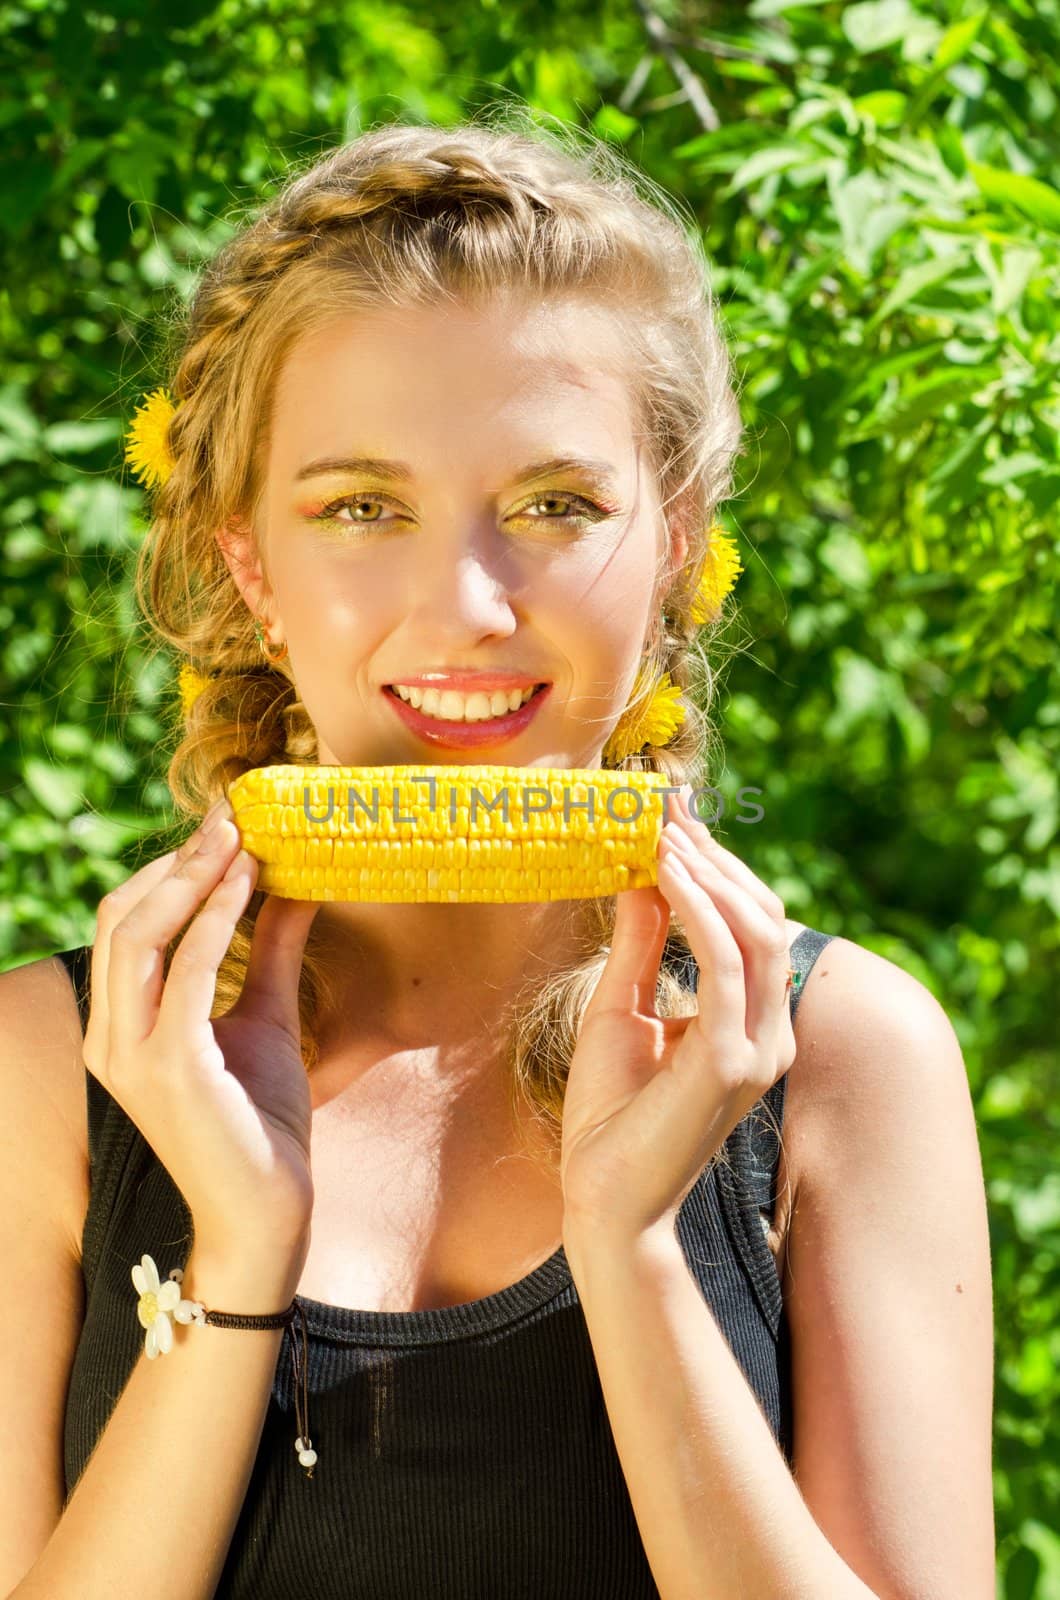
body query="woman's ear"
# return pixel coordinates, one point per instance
(677, 555)
(680, 523)
(243, 560)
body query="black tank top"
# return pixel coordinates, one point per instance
(464, 1451)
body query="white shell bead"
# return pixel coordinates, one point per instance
(307, 1457)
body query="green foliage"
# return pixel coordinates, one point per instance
(876, 187)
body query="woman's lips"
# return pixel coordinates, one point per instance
(467, 735)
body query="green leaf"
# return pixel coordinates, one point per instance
(20, 430)
(107, 836)
(59, 789)
(885, 107)
(1018, 265)
(958, 40)
(923, 399)
(776, 158)
(135, 170)
(951, 149)
(866, 217)
(74, 438)
(610, 122)
(69, 739)
(1021, 465)
(1020, 193)
(83, 154)
(845, 555)
(911, 280)
(876, 24)
(97, 513)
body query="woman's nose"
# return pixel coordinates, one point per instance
(465, 594)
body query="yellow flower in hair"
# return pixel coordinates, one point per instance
(146, 448)
(191, 684)
(655, 722)
(721, 568)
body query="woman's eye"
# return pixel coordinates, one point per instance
(328, 513)
(589, 512)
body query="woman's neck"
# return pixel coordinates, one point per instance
(415, 977)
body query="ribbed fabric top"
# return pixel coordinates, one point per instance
(465, 1452)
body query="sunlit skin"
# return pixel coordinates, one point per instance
(466, 564)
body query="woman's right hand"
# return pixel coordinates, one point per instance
(224, 1104)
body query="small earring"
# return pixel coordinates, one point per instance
(259, 634)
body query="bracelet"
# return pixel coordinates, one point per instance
(159, 1301)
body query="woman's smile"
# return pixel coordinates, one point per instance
(465, 722)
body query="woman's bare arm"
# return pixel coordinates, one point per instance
(161, 1493)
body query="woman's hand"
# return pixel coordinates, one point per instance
(224, 1103)
(649, 1100)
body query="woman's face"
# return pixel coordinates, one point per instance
(468, 552)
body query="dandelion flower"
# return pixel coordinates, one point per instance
(191, 685)
(720, 571)
(146, 447)
(653, 723)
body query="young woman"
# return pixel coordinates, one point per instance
(453, 413)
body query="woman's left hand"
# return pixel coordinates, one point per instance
(649, 1100)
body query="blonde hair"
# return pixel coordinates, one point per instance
(424, 215)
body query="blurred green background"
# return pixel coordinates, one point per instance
(877, 188)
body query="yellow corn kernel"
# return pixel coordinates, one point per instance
(438, 833)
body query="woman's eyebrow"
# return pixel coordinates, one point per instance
(401, 471)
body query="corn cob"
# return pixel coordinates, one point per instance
(404, 833)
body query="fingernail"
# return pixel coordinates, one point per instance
(683, 842)
(213, 816)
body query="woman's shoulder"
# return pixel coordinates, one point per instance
(863, 986)
(43, 1083)
(872, 1043)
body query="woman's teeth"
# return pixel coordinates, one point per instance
(451, 706)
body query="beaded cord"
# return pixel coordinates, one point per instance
(279, 1319)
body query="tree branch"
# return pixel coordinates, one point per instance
(692, 88)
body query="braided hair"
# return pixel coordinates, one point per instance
(422, 215)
